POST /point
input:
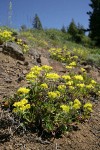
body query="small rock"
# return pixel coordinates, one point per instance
(20, 62)
(44, 61)
(1, 49)
(36, 55)
(24, 71)
(87, 68)
(8, 80)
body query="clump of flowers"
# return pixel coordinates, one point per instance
(51, 101)
(6, 36)
(25, 47)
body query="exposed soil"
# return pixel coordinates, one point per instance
(12, 76)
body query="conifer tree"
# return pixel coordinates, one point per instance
(63, 29)
(72, 29)
(37, 23)
(94, 21)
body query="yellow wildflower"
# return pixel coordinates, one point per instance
(66, 77)
(76, 101)
(87, 107)
(62, 88)
(71, 88)
(93, 82)
(72, 64)
(81, 85)
(90, 86)
(76, 57)
(24, 101)
(36, 68)
(69, 83)
(31, 76)
(53, 76)
(69, 67)
(65, 108)
(83, 70)
(44, 86)
(23, 90)
(27, 106)
(54, 94)
(77, 104)
(78, 77)
(46, 68)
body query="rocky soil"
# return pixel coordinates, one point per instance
(12, 76)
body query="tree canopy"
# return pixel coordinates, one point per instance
(37, 23)
(94, 21)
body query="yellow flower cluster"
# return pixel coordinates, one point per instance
(78, 77)
(36, 70)
(53, 95)
(44, 86)
(69, 67)
(69, 83)
(77, 104)
(23, 90)
(88, 107)
(62, 88)
(21, 105)
(93, 82)
(46, 68)
(81, 85)
(6, 35)
(52, 76)
(73, 64)
(66, 77)
(89, 86)
(31, 76)
(83, 70)
(65, 108)
(25, 46)
(34, 73)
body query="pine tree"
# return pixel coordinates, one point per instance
(63, 29)
(94, 21)
(72, 29)
(37, 23)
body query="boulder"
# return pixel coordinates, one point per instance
(57, 66)
(13, 50)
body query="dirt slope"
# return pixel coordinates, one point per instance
(12, 76)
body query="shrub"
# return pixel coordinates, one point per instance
(52, 102)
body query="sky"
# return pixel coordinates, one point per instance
(52, 13)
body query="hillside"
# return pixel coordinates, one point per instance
(17, 59)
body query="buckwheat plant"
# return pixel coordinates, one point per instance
(53, 102)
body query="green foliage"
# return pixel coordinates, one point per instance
(77, 32)
(93, 59)
(37, 23)
(94, 21)
(72, 30)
